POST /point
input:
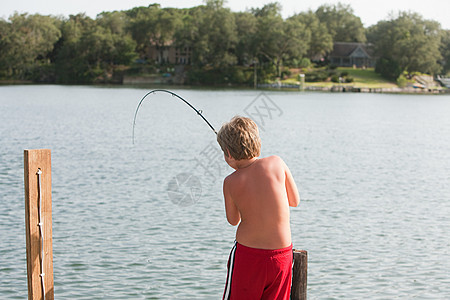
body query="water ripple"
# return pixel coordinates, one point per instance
(372, 171)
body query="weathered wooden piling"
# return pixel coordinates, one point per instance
(299, 275)
(38, 223)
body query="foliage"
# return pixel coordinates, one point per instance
(349, 79)
(300, 63)
(88, 51)
(316, 76)
(246, 47)
(445, 51)
(344, 77)
(339, 79)
(304, 63)
(406, 43)
(402, 81)
(321, 41)
(210, 31)
(25, 43)
(341, 23)
(227, 75)
(152, 26)
(217, 35)
(388, 68)
(279, 40)
(224, 46)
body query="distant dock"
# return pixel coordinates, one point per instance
(445, 81)
(353, 89)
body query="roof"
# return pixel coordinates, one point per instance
(341, 49)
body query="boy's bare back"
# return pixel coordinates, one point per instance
(259, 195)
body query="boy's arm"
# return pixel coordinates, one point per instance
(231, 210)
(291, 188)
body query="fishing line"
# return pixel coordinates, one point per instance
(199, 112)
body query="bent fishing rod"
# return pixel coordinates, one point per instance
(199, 112)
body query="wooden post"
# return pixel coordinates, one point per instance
(299, 275)
(33, 161)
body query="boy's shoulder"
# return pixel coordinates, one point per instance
(273, 165)
(273, 160)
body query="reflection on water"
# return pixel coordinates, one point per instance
(373, 173)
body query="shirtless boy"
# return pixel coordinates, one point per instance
(257, 197)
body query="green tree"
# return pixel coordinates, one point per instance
(123, 47)
(445, 51)
(246, 26)
(25, 43)
(115, 21)
(342, 24)
(187, 36)
(5, 49)
(409, 42)
(210, 31)
(153, 27)
(278, 40)
(89, 52)
(271, 9)
(70, 63)
(219, 33)
(321, 40)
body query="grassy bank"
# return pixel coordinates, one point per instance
(362, 78)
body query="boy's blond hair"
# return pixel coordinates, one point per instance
(240, 137)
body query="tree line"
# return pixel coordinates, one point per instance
(223, 44)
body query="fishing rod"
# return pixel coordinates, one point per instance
(199, 112)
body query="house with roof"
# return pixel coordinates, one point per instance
(352, 55)
(170, 54)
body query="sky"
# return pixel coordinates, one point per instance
(370, 11)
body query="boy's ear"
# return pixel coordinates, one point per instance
(228, 153)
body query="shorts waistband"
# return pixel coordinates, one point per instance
(263, 251)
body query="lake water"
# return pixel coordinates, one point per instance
(373, 172)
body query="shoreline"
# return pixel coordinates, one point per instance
(262, 87)
(355, 89)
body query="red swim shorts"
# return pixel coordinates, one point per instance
(259, 274)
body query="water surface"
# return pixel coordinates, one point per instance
(373, 172)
